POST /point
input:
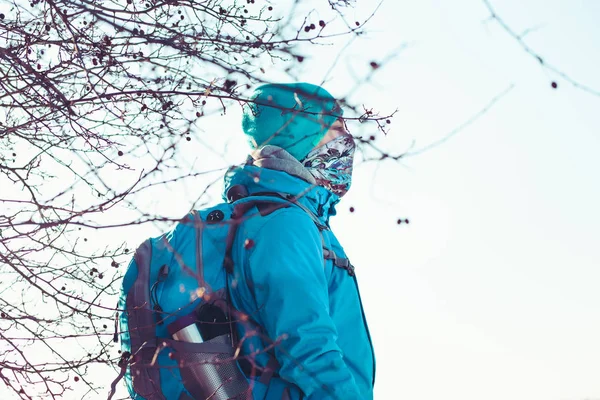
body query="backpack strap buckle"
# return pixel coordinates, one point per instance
(343, 263)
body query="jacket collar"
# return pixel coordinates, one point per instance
(272, 169)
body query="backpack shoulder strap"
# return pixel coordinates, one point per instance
(294, 200)
(240, 209)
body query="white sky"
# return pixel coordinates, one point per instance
(491, 291)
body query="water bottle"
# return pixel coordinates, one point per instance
(214, 376)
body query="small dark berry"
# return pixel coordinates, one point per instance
(248, 244)
(120, 153)
(307, 28)
(312, 26)
(76, 379)
(322, 24)
(372, 137)
(554, 85)
(357, 23)
(351, 209)
(188, 138)
(270, 8)
(2, 16)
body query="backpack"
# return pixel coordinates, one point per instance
(178, 279)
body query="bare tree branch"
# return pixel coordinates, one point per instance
(520, 39)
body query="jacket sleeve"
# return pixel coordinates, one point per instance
(286, 272)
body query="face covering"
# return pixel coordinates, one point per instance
(331, 164)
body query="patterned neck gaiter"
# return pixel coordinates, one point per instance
(331, 164)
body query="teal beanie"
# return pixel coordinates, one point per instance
(292, 116)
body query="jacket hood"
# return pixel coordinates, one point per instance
(272, 169)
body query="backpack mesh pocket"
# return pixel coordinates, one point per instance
(210, 374)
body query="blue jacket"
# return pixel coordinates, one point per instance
(305, 311)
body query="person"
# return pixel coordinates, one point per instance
(300, 316)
